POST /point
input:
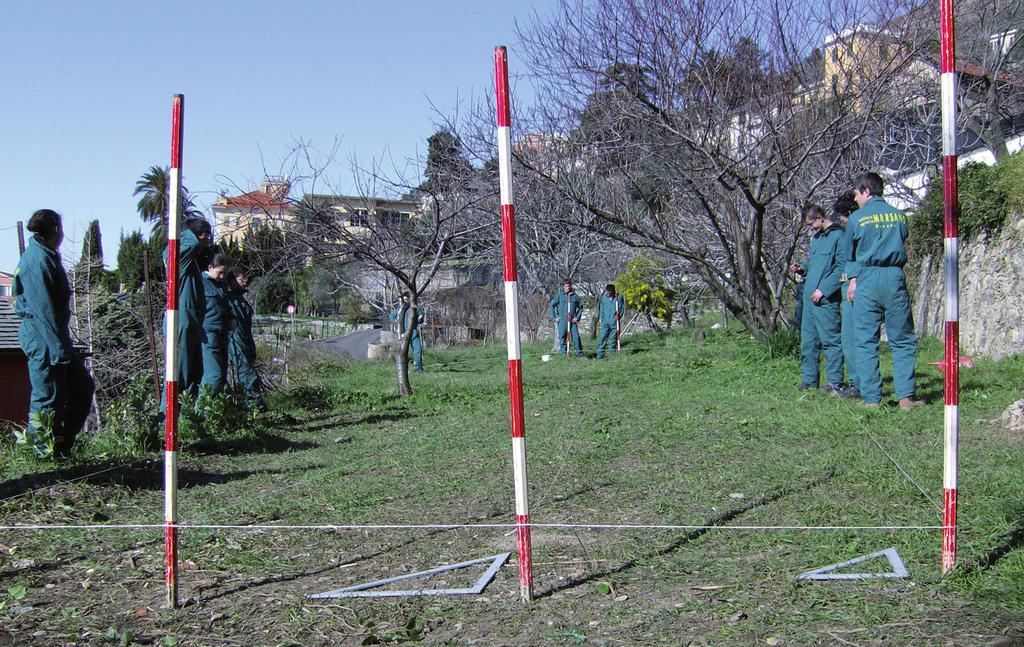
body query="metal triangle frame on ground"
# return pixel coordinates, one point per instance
(361, 590)
(899, 571)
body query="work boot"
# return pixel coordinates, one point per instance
(909, 404)
(837, 391)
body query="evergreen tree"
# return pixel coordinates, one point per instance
(447, 166)
(92, 246)
(129, 261)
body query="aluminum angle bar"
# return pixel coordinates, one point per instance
(362, 590)
(899, 571)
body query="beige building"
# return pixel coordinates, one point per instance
(236, 217)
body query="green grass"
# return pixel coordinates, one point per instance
(672, 431)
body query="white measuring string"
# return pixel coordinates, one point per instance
(465, 526)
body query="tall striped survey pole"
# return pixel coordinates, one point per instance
(951, 274)
(515, 365)
(171, 360)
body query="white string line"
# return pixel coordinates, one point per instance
(463, 526)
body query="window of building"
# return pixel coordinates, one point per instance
(835, 54)
(1003, 43)
(360, 218)
(5, 290)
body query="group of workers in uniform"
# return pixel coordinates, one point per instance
(566, 308)
(214, 327)
(853, 281)
(214, 320)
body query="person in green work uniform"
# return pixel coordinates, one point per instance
(406, 317)
(841, 210)
(217, 323)
(878, 291)
(566, 309)
(193, 246)
(820, 327)
(609, 309)
(241, 345)
(61, 385)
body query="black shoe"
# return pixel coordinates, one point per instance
(804, 386)
(837, 391)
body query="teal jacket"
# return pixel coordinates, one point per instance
(879, 231)
(846, 248)
(560, 304)
(217, 316)
(43, 299)
(607, 311)
(405, 319)
(191, 300)
(825, 263)
(242, 312)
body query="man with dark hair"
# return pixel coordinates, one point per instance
(820, 326)
(565, 309)
(878, 290)
(609, 310)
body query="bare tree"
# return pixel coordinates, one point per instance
(407, 251)
(697, 130)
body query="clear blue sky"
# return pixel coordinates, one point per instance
(88, 86)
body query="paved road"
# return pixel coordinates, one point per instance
(353, 345)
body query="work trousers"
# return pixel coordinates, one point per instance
(606, 343)
(820, 333)
(881, 295)
(575, 332)
(63, 391)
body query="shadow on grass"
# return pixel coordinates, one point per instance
(348, 420)
(266, 444)
(692, 535)
(145, 474)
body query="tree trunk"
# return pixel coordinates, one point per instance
(402, 363)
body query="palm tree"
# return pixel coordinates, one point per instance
(152, 206)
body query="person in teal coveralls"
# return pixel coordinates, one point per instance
(820, 329)
(406, 318)
(217, 323)
(841, 209)
(61, 385)
(565, 309)
(193, 244)
(609, 309)
(241, 345)
(878, 291)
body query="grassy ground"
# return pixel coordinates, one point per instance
(672, 431)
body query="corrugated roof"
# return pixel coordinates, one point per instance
(9, 323)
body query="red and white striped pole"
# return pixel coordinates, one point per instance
(171, 359)
(515, 365)
(951, 274)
